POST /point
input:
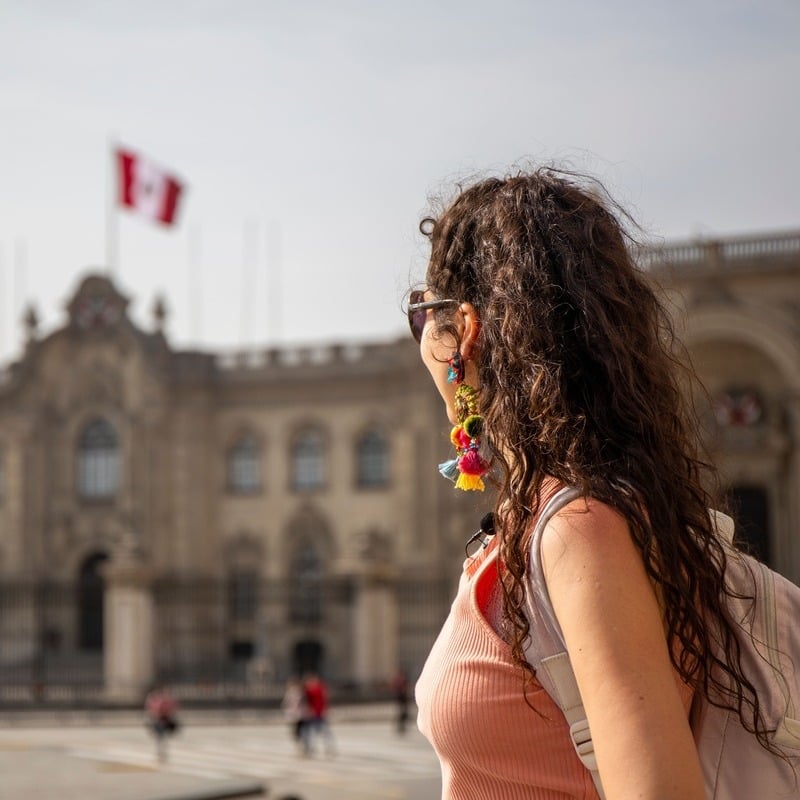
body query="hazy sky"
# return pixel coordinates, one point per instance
(322, 128)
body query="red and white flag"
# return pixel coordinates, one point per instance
(147, 188)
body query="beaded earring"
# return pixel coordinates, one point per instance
(455, 368)
(468, 467)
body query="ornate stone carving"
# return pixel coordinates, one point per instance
(97, 305)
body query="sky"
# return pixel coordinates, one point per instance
(312, 136)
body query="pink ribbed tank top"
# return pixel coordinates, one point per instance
(491, 744)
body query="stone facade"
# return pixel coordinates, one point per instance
(228, 519)
(204, 517)
(736, 305)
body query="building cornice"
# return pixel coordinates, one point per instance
(730, 254)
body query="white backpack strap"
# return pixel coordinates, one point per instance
(554, 672)
(563, 688)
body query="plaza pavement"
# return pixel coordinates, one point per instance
(218, 754)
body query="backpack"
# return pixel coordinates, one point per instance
(735, 765)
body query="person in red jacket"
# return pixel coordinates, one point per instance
(316, 693)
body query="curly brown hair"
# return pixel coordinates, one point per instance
(581, 380)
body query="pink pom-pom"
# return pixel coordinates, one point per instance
(471, 463)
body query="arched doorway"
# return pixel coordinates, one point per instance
(307, 657)
(750, 505)
(91, 588)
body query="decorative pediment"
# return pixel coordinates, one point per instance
(97, 305)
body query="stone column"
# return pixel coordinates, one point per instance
(375, 628)
(129, 658)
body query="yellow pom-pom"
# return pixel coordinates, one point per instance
(470, 483)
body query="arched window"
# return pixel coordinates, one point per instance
(305, 584)
(372, 459)
(308, 461)
(98, 461)
(243, 595)
(244, 466)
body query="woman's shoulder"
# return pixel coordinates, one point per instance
(586, 532)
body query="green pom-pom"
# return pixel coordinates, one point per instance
(473, 426)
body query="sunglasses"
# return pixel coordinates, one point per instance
(418, 311)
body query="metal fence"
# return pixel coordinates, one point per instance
(214, 641)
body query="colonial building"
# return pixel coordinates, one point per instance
(220, 522)
(737, 309)
(216, 520)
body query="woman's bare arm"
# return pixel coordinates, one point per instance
(613, 628)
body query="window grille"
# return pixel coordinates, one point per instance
(243, 595)
(244, 466)
(373, 460)
(305, 585)
(308, 461)
(98, 461)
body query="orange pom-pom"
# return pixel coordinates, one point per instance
(460, 438)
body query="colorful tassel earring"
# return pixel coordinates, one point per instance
(455, 368)
(468, 467)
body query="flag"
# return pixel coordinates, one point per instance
(147, 188)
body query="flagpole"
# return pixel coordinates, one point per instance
(2, 303)
(195, 282)
(112, 199)
(249, 279)
(274, 307)
(20, 277)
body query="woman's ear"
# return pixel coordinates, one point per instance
(471, 331)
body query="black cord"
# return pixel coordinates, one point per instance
(483, 533)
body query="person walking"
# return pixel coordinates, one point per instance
(316, 696)
(557, 366)
(161, 710)
(295, 710)
(400, 692)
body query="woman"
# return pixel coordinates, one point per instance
(295, 710)
(533, 301)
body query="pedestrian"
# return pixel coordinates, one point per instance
(556, 363)
(295, 710)
(400, 693)
(161, 710)
(316, 695)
